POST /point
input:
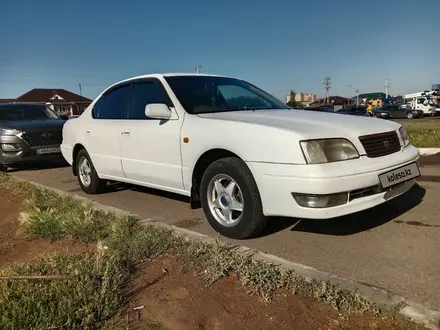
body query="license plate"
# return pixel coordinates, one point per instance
(399, 175)
(45, 151)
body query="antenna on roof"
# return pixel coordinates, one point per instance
(80, 89)
(198, 67)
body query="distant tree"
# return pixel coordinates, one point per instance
(293, 103)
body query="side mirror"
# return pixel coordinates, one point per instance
(64, 117)
(158, 111)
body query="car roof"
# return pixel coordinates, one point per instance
(159, 75)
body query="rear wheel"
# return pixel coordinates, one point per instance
(230, 199)
(87, 177)
(410, 115)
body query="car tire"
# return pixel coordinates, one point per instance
(221, 203)
(88, 179)
(410, 115)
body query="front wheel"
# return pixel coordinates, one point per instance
(410, 115)
(231, 200)
(87, 177)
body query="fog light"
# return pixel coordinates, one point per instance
(320, 201)
(10, 147)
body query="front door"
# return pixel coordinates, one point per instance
(103, 133)
(150, 148)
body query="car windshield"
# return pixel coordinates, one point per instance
(26, 112)
(209, 94)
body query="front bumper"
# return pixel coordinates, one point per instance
(387, 116)
(277, 182)
(25, 153)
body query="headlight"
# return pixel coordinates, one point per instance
(404, 136)
(329, 150)
(9, 132)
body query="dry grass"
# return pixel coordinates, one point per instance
(94, 290)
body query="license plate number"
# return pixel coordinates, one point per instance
(45, 151)
(399, 175)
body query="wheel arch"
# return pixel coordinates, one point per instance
(76, 149)
(202, 163)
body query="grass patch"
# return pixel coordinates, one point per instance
(95, 288)
(91, 293)
(423, 134)
(424, 137)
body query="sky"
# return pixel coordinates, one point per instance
(278, 45)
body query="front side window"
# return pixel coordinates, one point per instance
(26, 112)
(145, 93)
(208, 94)
(112, 104)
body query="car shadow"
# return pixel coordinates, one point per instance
(119, 186)
(364, 220)
(43, 165)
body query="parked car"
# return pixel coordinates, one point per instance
(382, 113)
(321, 109)
(397, 111)
(238, 150)
(28, 133)
(354, 111)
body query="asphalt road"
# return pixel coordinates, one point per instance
(395, 246)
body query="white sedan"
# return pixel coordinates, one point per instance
(238, 150)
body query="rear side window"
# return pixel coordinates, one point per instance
(112, 105)
(145, 93)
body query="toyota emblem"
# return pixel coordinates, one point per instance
(386, 144)
(46, 135)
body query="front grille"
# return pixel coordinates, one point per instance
(37, 139)
(377, 145)
(364, 192)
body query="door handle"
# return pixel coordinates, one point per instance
(125, 133)
(87, 132)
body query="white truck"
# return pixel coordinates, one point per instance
(421, 101)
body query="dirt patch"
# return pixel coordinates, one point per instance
(15, 246)
(188, 223)
(166, 298)
(430, 160)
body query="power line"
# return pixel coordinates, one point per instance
(327, 82)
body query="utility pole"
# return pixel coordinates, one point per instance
(387, 85)
(198, 67)
(357, 94)
(80, 89)
(327, 82)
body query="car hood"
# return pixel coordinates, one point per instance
(33, 125)
(310, 124)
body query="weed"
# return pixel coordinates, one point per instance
(95, 289)
(424, 135)
(91, 293)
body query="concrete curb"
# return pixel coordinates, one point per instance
(413, 310)
(429, 151)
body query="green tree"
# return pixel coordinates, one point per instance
(292, 103)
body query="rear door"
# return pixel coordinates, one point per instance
(103, 133)
(150, 148)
